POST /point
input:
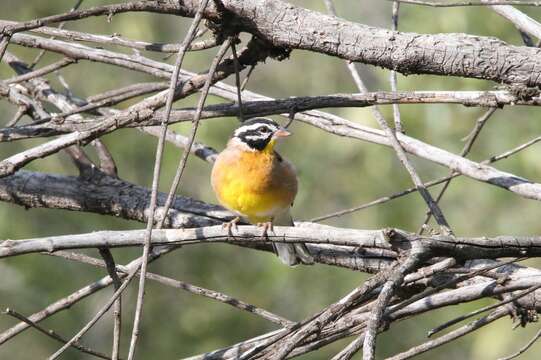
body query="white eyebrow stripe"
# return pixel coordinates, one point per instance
(254, 127)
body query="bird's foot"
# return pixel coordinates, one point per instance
(266, 227)
(231, 225)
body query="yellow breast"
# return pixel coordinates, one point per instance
(257, 185)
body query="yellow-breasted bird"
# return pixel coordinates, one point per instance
(251, 179)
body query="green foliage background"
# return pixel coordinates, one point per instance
(335, 173)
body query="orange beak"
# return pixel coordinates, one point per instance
(280, 133)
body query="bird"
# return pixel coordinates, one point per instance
(252, 180)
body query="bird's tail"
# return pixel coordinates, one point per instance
(291, 254)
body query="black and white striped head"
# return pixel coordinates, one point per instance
(258, 133)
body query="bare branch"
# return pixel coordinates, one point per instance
(156, 173)
(472, 136)
(387, 292)
(462, 331)
(524, 348)
(260, 106)
(197, 116)
(96, 317)
(52, 334)
(521, 21)
(320, 33)
(202, 151)
(402, 157)
(469, 3)
(116, 39)
(117, 307)
(237, 79)
(40, 72)
(135, 113)
(193, 289)
(482, 310)
(392, 76)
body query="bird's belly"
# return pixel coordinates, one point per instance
(252, 185)
(252, 201)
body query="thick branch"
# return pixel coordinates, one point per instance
(288, 26)
(103, 195)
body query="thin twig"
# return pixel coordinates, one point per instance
(482, 310)
(177, 284)
(387, 198)
(60, 27)
(470, 3)
(197, 117)
(393, 76)
(68, 301)
(156, 175)
(291, 118)
(247, 77)
(399, 150)
(462, 331)
(472, 136)
(52, 334)
(237, 78)
(21, 111)
(40, 72)
(96, 317)
(401, 154)
(202, 151)
(117, 307)
(525, 348)
(139, 89)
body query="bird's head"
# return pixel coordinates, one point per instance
(259, 134)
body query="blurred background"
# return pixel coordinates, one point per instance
(335, 173)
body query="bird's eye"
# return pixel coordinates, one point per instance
(263, 129)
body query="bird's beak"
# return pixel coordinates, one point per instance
(280, 133)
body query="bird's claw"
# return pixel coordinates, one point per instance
(266, 227)
(231, 225)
